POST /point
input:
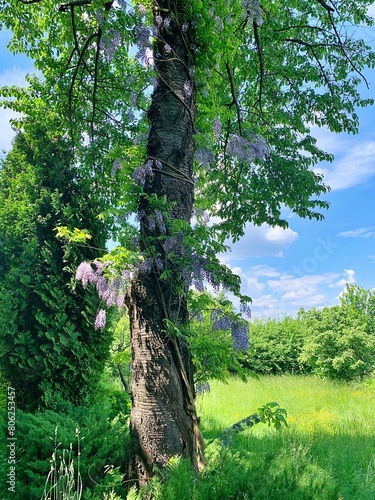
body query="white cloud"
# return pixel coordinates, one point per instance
(275, 293)
(348, 279)
(260, 241)
(355, 167)
(280, 236)
(14, 76)
(363, 232)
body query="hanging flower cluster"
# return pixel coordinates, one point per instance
(111, 290)
(238, 327)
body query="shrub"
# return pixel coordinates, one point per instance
(103, 447)
(275, 346)
(48, 345)
(337, 345)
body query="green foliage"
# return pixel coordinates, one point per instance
(275, 346)
(336, 342)
(337, 345)
(272, 415)
(212, 350)
(50, 350)
(102, 444)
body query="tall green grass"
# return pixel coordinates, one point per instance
(326, 453)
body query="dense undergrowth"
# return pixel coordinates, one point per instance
(325, 453)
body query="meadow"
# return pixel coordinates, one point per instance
(327, 452)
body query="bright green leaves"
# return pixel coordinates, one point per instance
(265, 74)
(300, 66)
(273, 415)
(47, 342)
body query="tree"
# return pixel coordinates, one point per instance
(50, 351)
(220, 97)
(337, 344)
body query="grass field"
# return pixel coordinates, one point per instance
(326, 453)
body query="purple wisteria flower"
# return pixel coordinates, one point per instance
(85, 274)
(201, 387)
(188, 90)
(111, 42)
(245, 150)
(240, 336)
(217, 127)
(159, 264)
(151, 223)
(111, 290)
(167, 48)
(220, 23)
(115, 167)
(100, 320)
(142, 9)
(253, 10)
(245, 309)
(205, 157)
(160, 221)
(140, 173)
(170, 244)
(220, 321)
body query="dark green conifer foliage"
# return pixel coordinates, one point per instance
(49, 347)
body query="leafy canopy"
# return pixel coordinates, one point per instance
(264, 74)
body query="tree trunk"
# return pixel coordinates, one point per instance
(163, 417)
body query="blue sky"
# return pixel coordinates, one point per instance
(308, 264)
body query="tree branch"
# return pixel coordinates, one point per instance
(344, 51)
(261, 62)
(234, 97)
(326, 6)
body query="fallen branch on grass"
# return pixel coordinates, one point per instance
(270, 414)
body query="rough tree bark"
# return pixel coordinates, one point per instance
(163, 418)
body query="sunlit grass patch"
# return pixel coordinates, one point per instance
(326, 453)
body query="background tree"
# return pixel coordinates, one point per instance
(50, 350)
(339, 341)
(229, 91)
